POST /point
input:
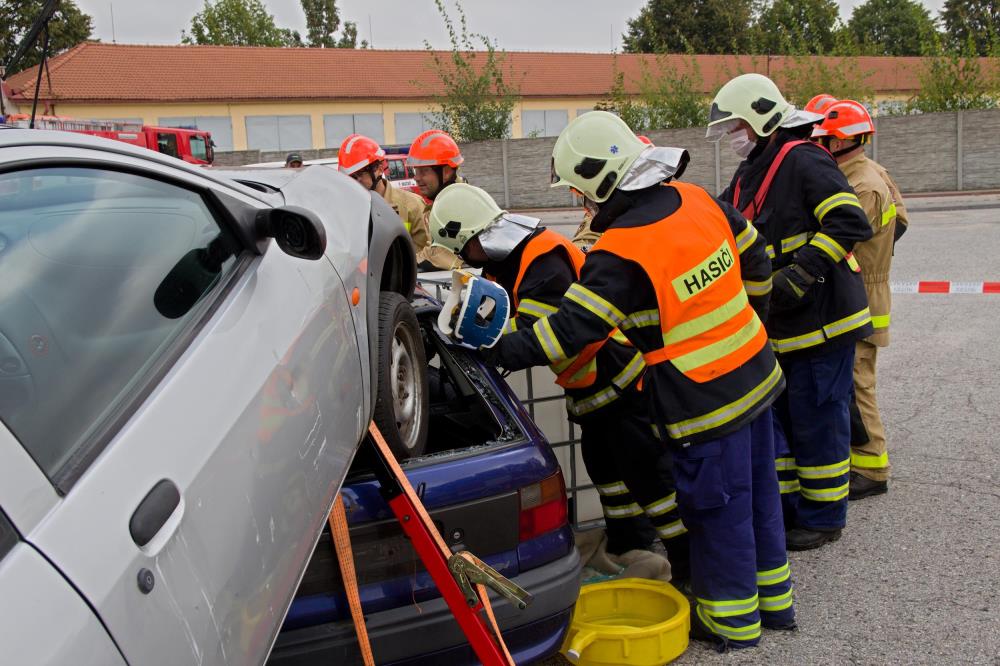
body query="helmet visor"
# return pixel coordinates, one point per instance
(716, 132)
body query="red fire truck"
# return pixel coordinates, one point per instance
(190, 145)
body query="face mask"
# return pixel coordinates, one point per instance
(741, 143)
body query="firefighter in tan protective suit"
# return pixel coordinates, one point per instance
(844, 131)
(435, 159)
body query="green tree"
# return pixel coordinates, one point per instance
(680, 26)
(478, 96)
(892, 27)
(954, 79)
(797, 27)
(69, 26)
(669, 97)
(238, 23)
(322, 21)
(808, 76)
(976, 20)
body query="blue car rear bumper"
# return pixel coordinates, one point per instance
(427, 634)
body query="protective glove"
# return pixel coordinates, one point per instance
(790, 284)
(491, 355)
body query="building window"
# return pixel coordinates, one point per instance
(543, 123)
(337, 127)
(580, 112)
(279, 132)
(221, 128)
(410, 125)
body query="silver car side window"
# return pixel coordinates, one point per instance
(101, 273)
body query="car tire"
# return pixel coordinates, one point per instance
(401, 406)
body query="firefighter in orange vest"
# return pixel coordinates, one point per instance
(536, 266)
(844, 132)
(687, 280)
(435, 158)
(811, 219)
(361, 158)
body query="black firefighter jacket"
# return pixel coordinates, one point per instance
(810, 218)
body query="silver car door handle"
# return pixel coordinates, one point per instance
(153, 512)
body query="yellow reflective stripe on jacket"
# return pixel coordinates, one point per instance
(589, 404)
(641, 318)
(880, 321)
(774, 576)
(590, 301)
(747, 633)
(618, 336)
(746, 238)
(889, 214)
(841, 326)
(728, 607)
(794, 242)
(785, 345)
(529, 306)
(839, 199)
(707, 321)
(510, 326)
(661, 506)
(547, 339)
(611, 489)
(719, 349)
(832, 248)
(630, 372)
(671, 530)
(870, 462)
(825, 471)
(407, 224)
(770, 251)
(786, 487)
(684, 429)
(783, 464)
(825, 494)
(778, 602)
(757, 288)
(625, 511)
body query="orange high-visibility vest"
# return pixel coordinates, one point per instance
(579, 371)
(708, 326)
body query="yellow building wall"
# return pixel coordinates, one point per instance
(238, 112)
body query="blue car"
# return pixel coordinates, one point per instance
(493, 487)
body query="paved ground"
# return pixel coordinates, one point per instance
(916, 577)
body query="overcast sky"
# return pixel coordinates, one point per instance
(535, 25)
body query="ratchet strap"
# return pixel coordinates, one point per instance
(468, 571)
(345, 558)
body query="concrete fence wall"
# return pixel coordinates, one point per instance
(926, 153)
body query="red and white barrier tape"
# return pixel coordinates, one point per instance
(935, 287)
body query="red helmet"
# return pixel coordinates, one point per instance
(645, 139)
(820, 102)
(844, 120)
(434, 147)
(358, 151)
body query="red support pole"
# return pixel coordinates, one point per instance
(469, 619)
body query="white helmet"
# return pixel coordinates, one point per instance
(753, 98)
(460, 212)
(593, 153)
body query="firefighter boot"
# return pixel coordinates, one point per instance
(805, 539)
(862, 487)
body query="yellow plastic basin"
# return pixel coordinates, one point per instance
(632, 621)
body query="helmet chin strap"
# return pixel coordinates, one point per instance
(843, 151)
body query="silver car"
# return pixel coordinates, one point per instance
(187, 366)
